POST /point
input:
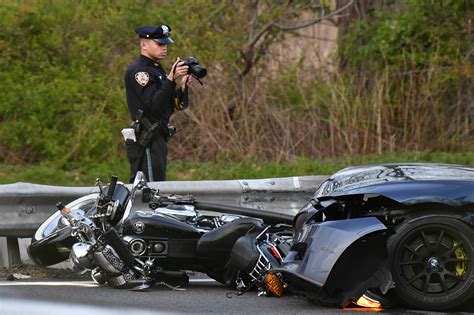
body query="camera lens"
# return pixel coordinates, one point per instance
(198, 71)
(195, 68)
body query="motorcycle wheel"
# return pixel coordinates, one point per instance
(431, 259)
(55, 222)
(52, 242)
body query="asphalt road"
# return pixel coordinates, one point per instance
(50, 297)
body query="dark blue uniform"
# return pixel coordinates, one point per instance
(149, 90)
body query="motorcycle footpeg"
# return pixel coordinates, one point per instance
(135, 285)
(140, 286)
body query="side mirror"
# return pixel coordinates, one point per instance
(139, 181)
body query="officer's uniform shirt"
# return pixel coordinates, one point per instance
(149, 89)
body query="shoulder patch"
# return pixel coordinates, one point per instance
(142, 78)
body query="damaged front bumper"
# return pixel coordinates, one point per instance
(334, 263)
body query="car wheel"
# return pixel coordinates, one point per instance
(431, 261)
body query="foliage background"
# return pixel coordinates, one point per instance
(400, 81)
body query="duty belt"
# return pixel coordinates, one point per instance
(145, 130)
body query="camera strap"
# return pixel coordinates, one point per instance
(198, 80)
(173, 70)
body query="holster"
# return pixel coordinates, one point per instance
(145, 130)
(148, 132)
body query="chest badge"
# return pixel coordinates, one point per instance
(142, 78)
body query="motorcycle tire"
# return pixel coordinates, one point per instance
(52, 241)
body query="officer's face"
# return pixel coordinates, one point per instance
(155, 50)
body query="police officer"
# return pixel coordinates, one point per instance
(152, 97)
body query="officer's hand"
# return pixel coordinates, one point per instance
(177, 70)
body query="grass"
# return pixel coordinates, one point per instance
(183, 170)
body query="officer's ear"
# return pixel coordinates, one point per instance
(143, 43)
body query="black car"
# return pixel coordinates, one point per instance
(428, 212)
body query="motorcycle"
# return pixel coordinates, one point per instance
(139, 237)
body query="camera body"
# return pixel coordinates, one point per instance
(194, 67)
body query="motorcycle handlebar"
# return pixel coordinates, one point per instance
(67, 213)
(113, 183)
(265, 215)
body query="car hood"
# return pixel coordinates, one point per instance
(404, 182)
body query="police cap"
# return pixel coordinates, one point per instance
(160, 34)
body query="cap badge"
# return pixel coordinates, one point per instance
(142, 78)
(165, 29)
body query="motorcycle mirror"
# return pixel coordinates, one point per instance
(138, 183)
(140, 180)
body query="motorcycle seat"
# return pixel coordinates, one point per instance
(217, 244)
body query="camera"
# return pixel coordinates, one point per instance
(194, 67)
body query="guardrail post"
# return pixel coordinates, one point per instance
(13, 252)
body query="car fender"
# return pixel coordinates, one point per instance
(465, 217)
(325, 244)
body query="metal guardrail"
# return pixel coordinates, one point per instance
(24, 206)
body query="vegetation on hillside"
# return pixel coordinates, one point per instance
(404, 80)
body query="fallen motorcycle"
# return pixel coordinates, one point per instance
(128, 247)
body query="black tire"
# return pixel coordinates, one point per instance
(431, 259)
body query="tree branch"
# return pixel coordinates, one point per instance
(314, 21)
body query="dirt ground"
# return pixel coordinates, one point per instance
(38, 272)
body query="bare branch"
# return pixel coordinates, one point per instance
(260, 38)
(264, 30)
(314, 21)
